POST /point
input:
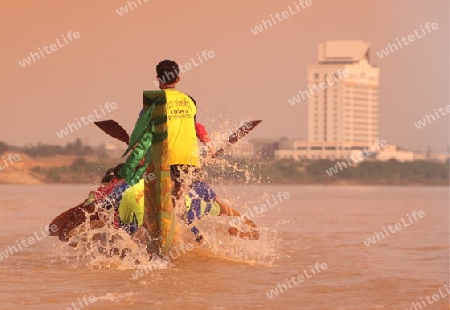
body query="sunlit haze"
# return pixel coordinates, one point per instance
(233, 73)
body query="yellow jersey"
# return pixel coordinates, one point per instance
(182, 139)
(132, 204)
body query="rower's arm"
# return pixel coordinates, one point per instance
(226, 210)
(233, 231)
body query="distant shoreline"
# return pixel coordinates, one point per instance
(88, 170)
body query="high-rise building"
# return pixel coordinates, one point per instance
(346, 110)
(342, 103)
(342, 95)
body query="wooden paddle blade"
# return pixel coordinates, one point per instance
(243, 131)
(238, 134)
(113, 129)
(61, 220)
(76, 219)
(70, 219)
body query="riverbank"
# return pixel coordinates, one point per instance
(30, 170)
(73, 169)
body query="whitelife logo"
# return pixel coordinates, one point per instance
(124, 9)
(86, 120)
(49, 49)
(337, 76)
(206, 55)
(236, 222)
(31, 240)
(411, 38)
(356, 158)
(165, 260)
(422, 123)
(319, 267)
(82, 303)
(281, 16)
(12, 159)
(430, 299)
(394, 228)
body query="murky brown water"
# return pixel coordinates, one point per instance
(325, 225)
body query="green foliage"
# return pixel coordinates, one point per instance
(44, 150)
(313, 172)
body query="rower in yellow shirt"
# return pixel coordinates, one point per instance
(201, 200)
(131, 208)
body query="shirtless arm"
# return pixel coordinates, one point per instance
(226, 210)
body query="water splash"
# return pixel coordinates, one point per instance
(221, 244)
(107, 247)
(102, 248)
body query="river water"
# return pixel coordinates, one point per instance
(312, 254)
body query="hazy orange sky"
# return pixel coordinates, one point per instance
(250, 77)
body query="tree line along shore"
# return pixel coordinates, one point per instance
(77, 163)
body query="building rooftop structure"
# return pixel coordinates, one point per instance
(348, 52)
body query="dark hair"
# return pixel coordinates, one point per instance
(111, 173)
(167, 71)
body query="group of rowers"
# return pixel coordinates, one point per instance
(181, 157)
(128, 204)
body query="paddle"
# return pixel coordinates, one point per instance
(241, 132)
(72, 218)
(113, 129)
(61, 220)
